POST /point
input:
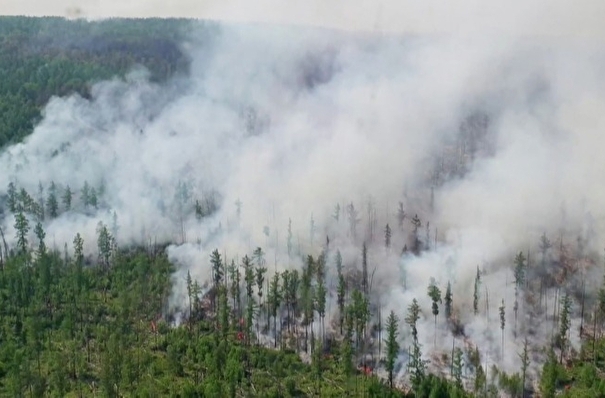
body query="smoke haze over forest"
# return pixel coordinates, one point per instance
(516, 17)
(493, 139)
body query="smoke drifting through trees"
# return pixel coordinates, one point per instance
(491, 141)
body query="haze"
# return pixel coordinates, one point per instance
(537, 17)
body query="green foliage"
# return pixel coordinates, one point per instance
(45, 57)
(392, 344)
(448, 301)
(476, 292)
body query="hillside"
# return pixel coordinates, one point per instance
(286, 212)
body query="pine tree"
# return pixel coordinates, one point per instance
(435, 294)
(353, 215)
(52, 205)
(387, 237)
(564, 323)
(274, 298)
(400, 216)
(340, 290)
(104, 244)
(293, 293)
(12, 197)
(347, 347)
(223, 312)
(412, 318)
(448, 301)
(250, 305)
(524, 356)
(306, 297)
(217, 274)
(480, 379)
(40, 234)
(417, 365)
(85, 194)
(93, 198)
(321, 303)
(40, 205)
(416, 224)
(519, 275)
(458, 367)
(502, 323)
(67, 196)
(235, 290)
(476, 292)
(364, 268)
(392, 344)
(189, 283)
(22, 227)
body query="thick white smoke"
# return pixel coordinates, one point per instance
(290, 122)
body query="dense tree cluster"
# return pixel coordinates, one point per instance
(43, 57)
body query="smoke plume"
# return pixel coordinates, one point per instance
(493, 140)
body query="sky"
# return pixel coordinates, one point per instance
(550, 18)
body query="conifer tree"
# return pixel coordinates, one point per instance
(564, 323)
(78, 260)
(22, 227)
(519, 275)
(93, 198)
(52, 205)
(66, 198)
(524, 356)
(235, 278)
(480, 379)
(321, 304)
(199, 210)
(364, 268)
(223, 312)
(416, 224)
(12, 197)
(189, 283)
(400, 216)
(340, 290)
(448, 301)
(104, 244)
(40, 205)
(347, 347)
(217, 274)
(392, 344)
(476, 292)
(458, 367)
(502, 323)
(40, 234)
(417, 365)
(435, 294)
(85, 194)
(274, 298)
(249, 276)
(353, 215)
(336, 214)
(293, 293)
(387, 237)
(306, 297)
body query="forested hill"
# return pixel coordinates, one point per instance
(42, 57)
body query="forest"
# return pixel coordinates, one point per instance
(167, 276)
